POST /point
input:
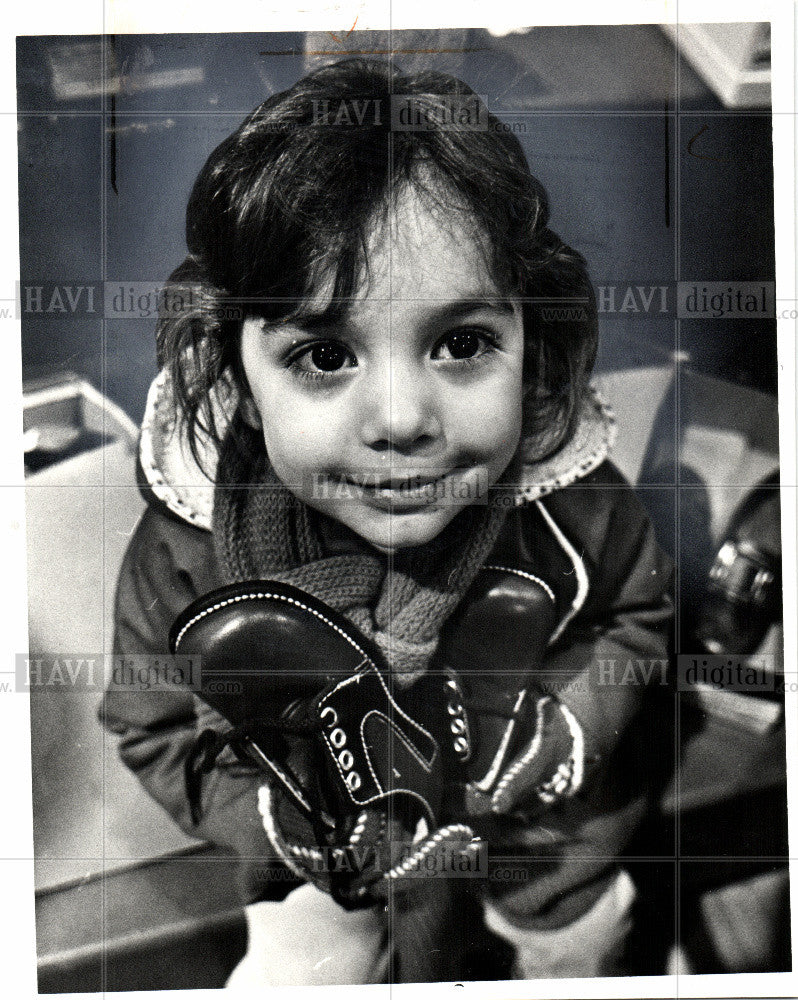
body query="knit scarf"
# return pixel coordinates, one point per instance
(262, 531)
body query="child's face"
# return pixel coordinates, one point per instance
(397, 417)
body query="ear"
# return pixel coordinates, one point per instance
(250, 412)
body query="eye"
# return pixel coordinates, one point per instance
(463, 345)
(325, 357)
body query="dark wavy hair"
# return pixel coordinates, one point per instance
(284, 207)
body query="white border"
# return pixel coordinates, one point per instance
(120, 16)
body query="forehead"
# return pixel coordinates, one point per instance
(426, 250)
(420, 251)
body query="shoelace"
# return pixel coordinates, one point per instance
(206, 749)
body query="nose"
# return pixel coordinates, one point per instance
(401, 411)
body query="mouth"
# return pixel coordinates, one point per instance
(399, 492)
(396, 483)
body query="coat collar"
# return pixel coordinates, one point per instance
(186, 486)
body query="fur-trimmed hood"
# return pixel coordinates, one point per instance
(186, 486)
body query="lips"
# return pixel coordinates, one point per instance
(395, 483)
(397, 493)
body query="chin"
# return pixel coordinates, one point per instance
(406, 531)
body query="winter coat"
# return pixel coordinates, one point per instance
(577, 525)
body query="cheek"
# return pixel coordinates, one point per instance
(299, 435)
(492, 421)
(291, 443)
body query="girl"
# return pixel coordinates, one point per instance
(368, 336)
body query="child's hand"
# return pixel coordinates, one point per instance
(548, 767)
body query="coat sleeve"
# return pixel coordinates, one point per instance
(619, 641)
(166, 566)
(614, 649)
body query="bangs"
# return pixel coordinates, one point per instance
(333, 261)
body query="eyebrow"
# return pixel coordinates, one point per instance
(464, 307)
(447, 311)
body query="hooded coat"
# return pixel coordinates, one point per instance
(577, 525)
